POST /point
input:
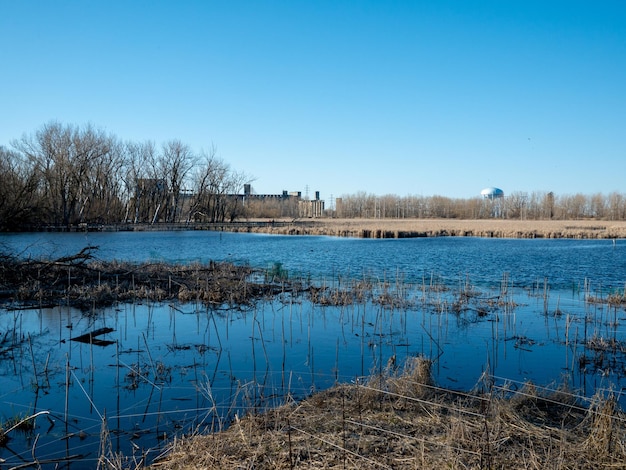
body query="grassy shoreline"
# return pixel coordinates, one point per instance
(400, 419)
(413, 228)
(384, 228)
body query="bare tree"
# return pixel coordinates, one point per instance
(206, 182)
(215, 190)
(571, 207)
(233, 185)
(616, 206)
(145, 187)
(175, 162)
(97, 160)
(74, 167)
(439, 206)
(49, 151)
(549, 206)
(18, 190)
(359, 205)
(598, 206)
(516, 205)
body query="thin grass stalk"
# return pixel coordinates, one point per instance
(32, 356)
(145, 341)
(67, 393)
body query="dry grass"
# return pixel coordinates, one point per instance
(400, 420)
(409, 228)
(86, 283)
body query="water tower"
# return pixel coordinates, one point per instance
(494, 196)
(492, 193)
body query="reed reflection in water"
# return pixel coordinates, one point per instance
(169, 369)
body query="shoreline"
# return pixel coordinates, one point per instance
(399, 418)
(419, 228)
(386, 228)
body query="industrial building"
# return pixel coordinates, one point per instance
(289, 203)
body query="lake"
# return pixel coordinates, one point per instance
(517, 308)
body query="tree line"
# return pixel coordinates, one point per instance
(64, 175)
(67, 175)
(517, 205)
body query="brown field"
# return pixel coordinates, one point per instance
(409, 228)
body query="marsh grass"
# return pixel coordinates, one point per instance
(412, 228)
(87, 283)
(17, 423)
(400, 419)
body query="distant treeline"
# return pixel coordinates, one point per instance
(66, 175)
(517, 205)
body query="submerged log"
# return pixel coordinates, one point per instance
(91, 337)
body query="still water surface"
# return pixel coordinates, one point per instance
(174, 369)
(564, 262)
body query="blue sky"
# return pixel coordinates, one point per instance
(405, 98)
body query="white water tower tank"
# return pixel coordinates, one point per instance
(492, 193)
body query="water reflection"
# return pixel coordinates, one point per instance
(566, 263)
(520, 309)
(166, 370)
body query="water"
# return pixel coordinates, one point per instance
(174, 369)
(565, 262)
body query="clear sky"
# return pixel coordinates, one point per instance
(388, 97)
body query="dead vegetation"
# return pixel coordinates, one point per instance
(414, 228)
(399, 419)
(84, 282)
